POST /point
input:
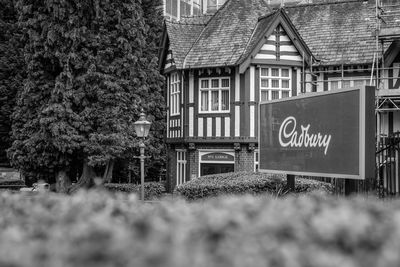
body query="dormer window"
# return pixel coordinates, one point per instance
(214, 95)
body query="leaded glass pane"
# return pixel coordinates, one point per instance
(285, 83)
(274, 94)
(214, 83)
(285, 72)
(274, 83)
(225, 83)
(225, 100)
(204, 101)
(264, 95)
(204, 84)
(285, 94)
(264, 83)
(214, 100)
(264, 72)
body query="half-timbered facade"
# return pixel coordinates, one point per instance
(219, 68)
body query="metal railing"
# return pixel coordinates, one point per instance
(387, 165)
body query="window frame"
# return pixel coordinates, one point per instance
(218, 4)
(174, 96)
(269, 89)
(181, 164)
(210, 89)
(351, 79)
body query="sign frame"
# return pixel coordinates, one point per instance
(366, 154)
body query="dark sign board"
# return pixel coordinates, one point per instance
(217, 157)
(328, 134)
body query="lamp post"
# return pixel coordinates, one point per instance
(142, 128)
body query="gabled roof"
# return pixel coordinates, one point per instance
(224, 39)
(339, 32)
(264, 28)
(181, 36)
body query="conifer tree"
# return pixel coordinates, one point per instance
(11, 71)
(88, 79)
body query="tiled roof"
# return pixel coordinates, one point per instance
(182, 36)
(337, 32)
(223, 40)
(257, 34)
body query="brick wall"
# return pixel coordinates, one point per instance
(193, 164)
(244, 159)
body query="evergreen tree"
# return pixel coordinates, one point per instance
(88, 78)
(11, 71)
(154, 19)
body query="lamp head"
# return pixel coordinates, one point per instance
(142, 126)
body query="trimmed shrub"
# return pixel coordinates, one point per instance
(152, 190)
(304, 185)
(99, 229)
(245, 183)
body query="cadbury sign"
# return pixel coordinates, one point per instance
(329, 134)
(293, 138)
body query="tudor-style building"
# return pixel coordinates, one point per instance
(218, 68)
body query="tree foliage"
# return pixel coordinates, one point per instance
(11, 71)
(89, 75)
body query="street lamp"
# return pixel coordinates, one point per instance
(142, 128)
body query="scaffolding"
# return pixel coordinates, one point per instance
(380, 74)
(387, 31)
(387, 100)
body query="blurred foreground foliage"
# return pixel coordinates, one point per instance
(99, 229)
(246, 183)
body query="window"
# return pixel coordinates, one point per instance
(214, 95)
(175, 94)
(275, 83)
(256, 160)
(175, 9)
(196, 7)
(180, 167)
(215, 4)
(338, 82)
(171, 9)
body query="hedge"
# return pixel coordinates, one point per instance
(99, 229)
(245, 183)
(152, 190)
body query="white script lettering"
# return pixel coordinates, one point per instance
(288, 136)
